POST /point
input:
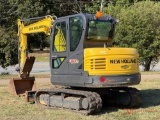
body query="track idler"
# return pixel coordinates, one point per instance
(129, 98)
(122, 97)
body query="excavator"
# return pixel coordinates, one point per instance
(84, 59)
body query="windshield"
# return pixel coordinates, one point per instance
(100, 30)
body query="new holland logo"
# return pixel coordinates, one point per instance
(120, 61)
(36, 27)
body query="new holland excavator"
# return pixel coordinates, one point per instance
(84, 59)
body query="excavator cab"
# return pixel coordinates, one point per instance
(71, 57)
(82, 56)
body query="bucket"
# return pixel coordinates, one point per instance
(19, 86)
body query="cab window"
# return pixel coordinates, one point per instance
(59, 39)
(75, 29)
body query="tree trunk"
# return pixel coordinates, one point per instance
(29, 46)
(147, 64)
(41, 46)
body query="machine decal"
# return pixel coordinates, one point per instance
(74, 61)
(125, 66)
(102, 52)
(36, 27)
(117, 61)
(109, 81)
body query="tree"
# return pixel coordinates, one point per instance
(139, 28)
(8, 35)
(8, 48)
(11, 10)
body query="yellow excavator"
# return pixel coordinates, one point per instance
(83, 58)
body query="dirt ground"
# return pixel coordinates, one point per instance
(38, 81)
(47, 80)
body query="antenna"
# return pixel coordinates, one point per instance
(101, 7)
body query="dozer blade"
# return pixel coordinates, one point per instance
(18, 86)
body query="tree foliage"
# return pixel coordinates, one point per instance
(139, 28)
(11, 10)
(8, 48)
(139, 25)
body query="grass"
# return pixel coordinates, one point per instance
(15, 76)
(150, 72)
(41, 56)
(15, 108)
(48, 75)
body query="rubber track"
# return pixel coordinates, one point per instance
(95, 102)
(135, 96)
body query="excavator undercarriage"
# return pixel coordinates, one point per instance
(88, 101)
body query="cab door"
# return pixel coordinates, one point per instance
(59, 48)
(76, 38)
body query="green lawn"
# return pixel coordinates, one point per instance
(15, 108)
(48, 75)
(16, 75)
(41, 56)
(150, 72)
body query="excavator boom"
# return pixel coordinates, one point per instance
(18, 86)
